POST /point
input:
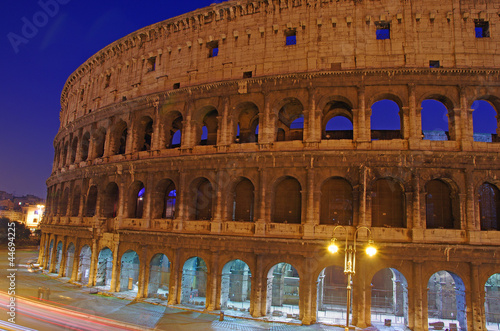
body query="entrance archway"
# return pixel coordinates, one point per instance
(159, 276)
(389, 298)
(235, 286)
(283, 291)
(332, 296)
(129, 272)
(59, 252)
(194, 282)
(84, 264)
(492, 302)
(446, 299)
(104, 268)
(70, 256)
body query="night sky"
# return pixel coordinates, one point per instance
(37, 60)
(34, 70)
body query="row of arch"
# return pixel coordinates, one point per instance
(338, 202)
(389, 288)
(338, 120)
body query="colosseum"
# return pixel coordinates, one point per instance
(207, 161)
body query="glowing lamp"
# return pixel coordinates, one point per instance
(371, 250)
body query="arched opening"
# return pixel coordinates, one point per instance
(283, 291)
(64, 154)
(202, 200)
(337, 121)
(70, 256)
(211, 125)
(136, 200)
(75, 203)
(438, 206)
(164, 200)
(173, 130)
(129, 272)
(84, 264)
(84, 147)
(110, 201)
(235, 287)
(248, 120)
(59, 254)
(51, 246)
(386, 120)
(99, 142)
(388, 204)
(74, 149)
(118, 143)
(484, 122)
(176, 139)
(159, 277)
(336, 202)
(290, 120)
(287, 201)
(122, 148)
(243, 201)
(435, 120)
(389, 298)
(104, 268)
(194, 282)
(147, 134)
(338, 127)
(492, 302)
(489, 207)
(332, 296)
(446, 300)
(91, 201)
(63, 203)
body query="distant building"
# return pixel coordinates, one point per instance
(32, 215)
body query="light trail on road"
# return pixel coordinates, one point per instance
(59, 317)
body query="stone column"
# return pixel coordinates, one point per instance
(64, 253)
(53, 253)
(257, 300)
(311, 216)
(417, 221)
(260, 226)
(41, 252)
(363, 219)
(132, 136)
(216, 225)
(93, 263)
(142, 288)
(414, 120)
(307, 296)
(76, 258)
(107, 141)
(174, 291)
(212, 283)
(417, 297)
(156, 139)
(363, 124)
(472, 224)
(224, 132)
(266, 123)
(115, 273)
(181, 204)
(476, 318)
(148, 203)
(361, 299)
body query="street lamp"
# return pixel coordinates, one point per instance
(350, 259)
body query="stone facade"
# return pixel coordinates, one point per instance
(244, 183)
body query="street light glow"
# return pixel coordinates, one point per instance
(371, 250)
(333, 247)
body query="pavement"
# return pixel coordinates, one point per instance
(146, 315)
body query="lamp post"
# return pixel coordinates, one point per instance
(350, 259)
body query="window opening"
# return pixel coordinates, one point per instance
(177, 86)
(482, 28)
(383, 30)
(291, 37)
(151, 65)
(213, 48)
(247, 74)
(433, 64)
